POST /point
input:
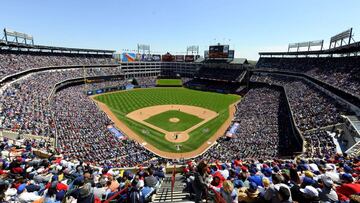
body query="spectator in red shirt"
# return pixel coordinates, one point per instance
(348, 187)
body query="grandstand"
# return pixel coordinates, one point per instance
(297, 123)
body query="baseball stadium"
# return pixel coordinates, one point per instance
(203, 124)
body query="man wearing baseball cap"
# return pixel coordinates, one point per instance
(327, 193)
(309, 194)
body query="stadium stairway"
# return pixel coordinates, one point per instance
(163, 194)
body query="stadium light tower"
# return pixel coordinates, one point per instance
(18, 37)
(143, 49)
(194, 49)
(343, 38)
(308, 45)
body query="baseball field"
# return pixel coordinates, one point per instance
(170, 121)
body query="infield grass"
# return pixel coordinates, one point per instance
(162, 120)
(124, 102)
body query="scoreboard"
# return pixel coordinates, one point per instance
(219, 52)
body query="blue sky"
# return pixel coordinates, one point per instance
(171, 25)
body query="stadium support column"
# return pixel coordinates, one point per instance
(5, 35)
(350, 36)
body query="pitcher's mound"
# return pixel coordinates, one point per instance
(174, 120)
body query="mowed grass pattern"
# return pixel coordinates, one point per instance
(169, 82)
(124, 102)
(162, 120)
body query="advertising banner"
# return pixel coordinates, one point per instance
(168, 57)
(179, 58)
(156, 57)
(128, 57)
(189, 58)
(146, 57)
(233, 130)
(115, 132)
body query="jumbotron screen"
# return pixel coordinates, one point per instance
(219, 51)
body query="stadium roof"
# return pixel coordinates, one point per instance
(4, 45)
(351, 48)
(239, 61)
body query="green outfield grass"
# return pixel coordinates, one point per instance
(162, 120)
(124, 102)
(169, 82)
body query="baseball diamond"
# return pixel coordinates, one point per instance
(151, 109)
(174, 120)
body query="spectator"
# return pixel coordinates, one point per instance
(151, 180)
(199, 184)
(348, 187)
(327, 193)
(249, 195)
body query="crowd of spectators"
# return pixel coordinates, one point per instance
(313, 112)
(212, 85)
(103, 71)
(15, 61)
(263, 128)
(24, 104)
(26, 177)
(26, 107)
(311, 107)
(340, 72)
(106, 84)
(149, 81)
(228, 74)
(318, 143)
(333, 178)
(82, 132)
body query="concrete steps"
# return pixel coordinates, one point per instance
(163, 194)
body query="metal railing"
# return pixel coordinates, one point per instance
(218, 197)
(116, 195)
(173, 182)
